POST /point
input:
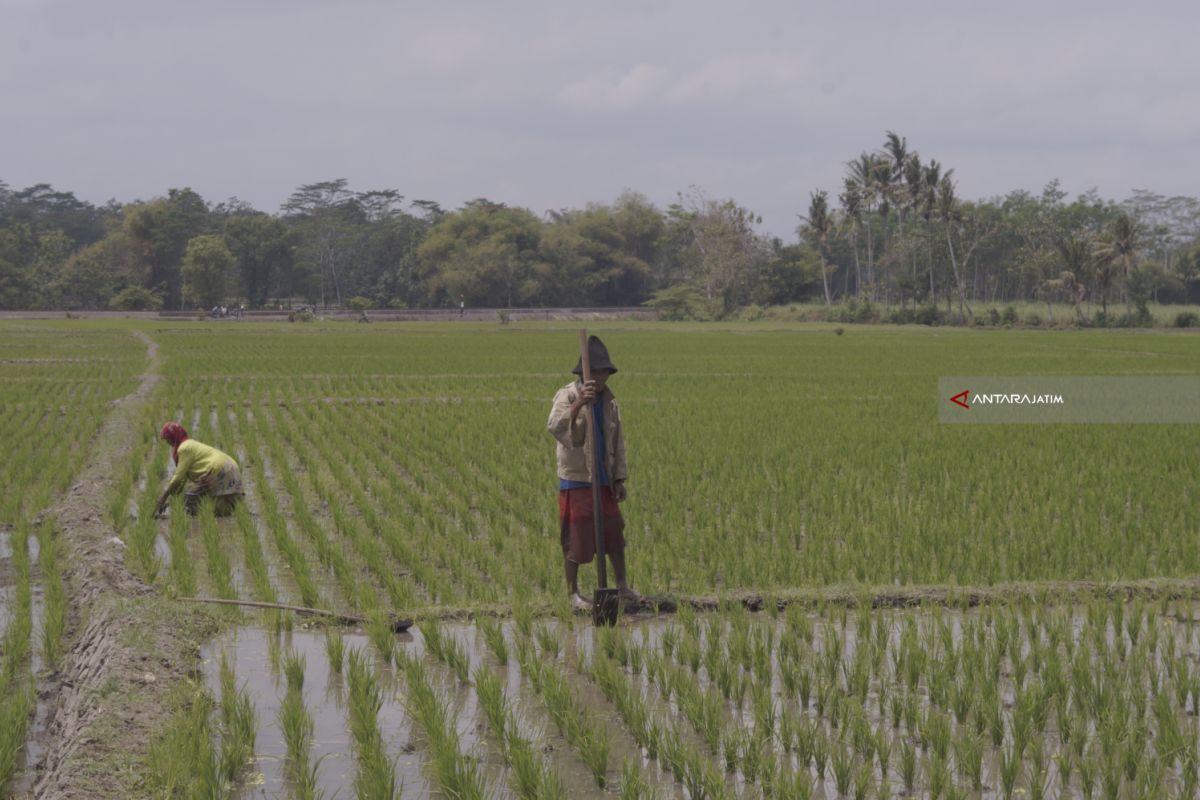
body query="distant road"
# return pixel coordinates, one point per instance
(375, 315)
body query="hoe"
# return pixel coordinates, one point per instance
(605, 604)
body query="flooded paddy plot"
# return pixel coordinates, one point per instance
(1033, 699)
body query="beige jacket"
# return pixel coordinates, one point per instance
(572, 455)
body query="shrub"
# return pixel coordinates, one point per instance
(358, 303)
(751, 313)
(855, 311)
(1187, 319)
(1033, 319)
(135, 298)
(1009, 316)
(680, 303)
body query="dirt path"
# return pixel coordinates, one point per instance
(126, 652)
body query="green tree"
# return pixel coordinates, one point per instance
(325, 216)
(484, 252)
(1120, 243)
(208, 267)
(789, 276)
(161, 230)
(816, 228)
(1076, 255)
(605, 267)
(17, 248)
(390, 270)
(262, 247)
(88, 279)
(727, 251)
(44, 210)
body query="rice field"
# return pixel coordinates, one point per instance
(56, 389)
(406, 468)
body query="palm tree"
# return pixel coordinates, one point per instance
(949, 214)
(1120, 241)
(931, 185)
(913, 173)
(901, 164)
(819, 225)
(869, 174)
(851, 199)
(1076, 254)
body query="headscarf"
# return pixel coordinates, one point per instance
(173, 433)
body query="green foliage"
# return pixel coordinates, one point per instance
(855, 311)
(359, 303)
(679, 303)
(262, 248)
(135, 298)
(793, 274)
(207, 270)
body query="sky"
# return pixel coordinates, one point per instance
(553, 105)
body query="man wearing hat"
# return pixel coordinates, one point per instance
(568, 425)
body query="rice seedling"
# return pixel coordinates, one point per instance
(1087, 775)
(547, 640)
(238, 724)
(908, 765)
(182, 569)
(54, 616)
(1010, 769)
(883, 750)
(493, 636)
(376, 774)
(532, 778)
(379, 630)
(296, 724)
(183, 762)
(842, 763)
(634, 785)
(335, 649)
(220, 572)
(579, 727)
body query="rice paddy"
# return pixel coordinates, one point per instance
(406, 468)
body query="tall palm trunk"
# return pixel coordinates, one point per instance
(825, 281)
(963, 309)
(857, 266)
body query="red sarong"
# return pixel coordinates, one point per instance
(576, 530)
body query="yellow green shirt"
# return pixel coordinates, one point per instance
(196, 461)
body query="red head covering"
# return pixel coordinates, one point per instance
(173, 433)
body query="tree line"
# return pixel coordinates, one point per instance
(895, 233)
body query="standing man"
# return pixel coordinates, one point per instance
(462, 305)
(568, 425)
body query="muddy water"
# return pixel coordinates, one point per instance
(257, 670)
(577, 641)
(249, 653)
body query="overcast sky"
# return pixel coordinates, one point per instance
(557, 104)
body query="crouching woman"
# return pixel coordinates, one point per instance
(200, 471)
